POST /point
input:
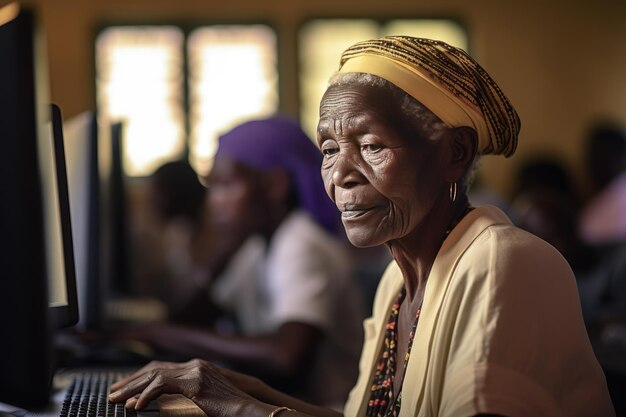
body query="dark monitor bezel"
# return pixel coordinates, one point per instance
(66, 315)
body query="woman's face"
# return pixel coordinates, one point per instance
(382, 172)
(235, 198)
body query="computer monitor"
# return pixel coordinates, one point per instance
(33, 225)
(82, 143)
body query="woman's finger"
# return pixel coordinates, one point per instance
(151, 392)
(135, 386)
(130, 403)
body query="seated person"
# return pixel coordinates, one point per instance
(603, 220)
(546, 203)
(278, 264)
(171, 236)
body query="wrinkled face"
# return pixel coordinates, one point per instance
(236, 200)
(382, 171)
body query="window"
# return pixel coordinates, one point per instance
(139, 80)
(322, 41)
(233, 77)
(142, 73)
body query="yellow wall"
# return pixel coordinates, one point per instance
(562, 63)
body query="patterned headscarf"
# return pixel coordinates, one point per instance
(279, 142)
(446, 80)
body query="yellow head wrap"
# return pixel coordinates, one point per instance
(446, 80)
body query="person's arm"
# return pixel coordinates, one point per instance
(216, 391)
(282, 354)
(196, 306)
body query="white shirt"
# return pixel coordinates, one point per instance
(303, 276)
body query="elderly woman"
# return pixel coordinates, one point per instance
(473, 316)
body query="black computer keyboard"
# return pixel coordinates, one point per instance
(87, 396)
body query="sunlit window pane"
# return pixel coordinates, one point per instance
(232, 77)
(323, 40)
(139, 80)
(321, 45)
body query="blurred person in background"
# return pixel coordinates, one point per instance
(173, 236)
(603, 220)
(277, 263)
(546, 203)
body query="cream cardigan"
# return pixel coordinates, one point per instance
(500, 331)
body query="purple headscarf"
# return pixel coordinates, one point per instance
(279, 142)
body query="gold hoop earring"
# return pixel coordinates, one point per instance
(453, 191)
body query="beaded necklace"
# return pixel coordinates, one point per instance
(382, 403)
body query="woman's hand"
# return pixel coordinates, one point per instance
(203, 383)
